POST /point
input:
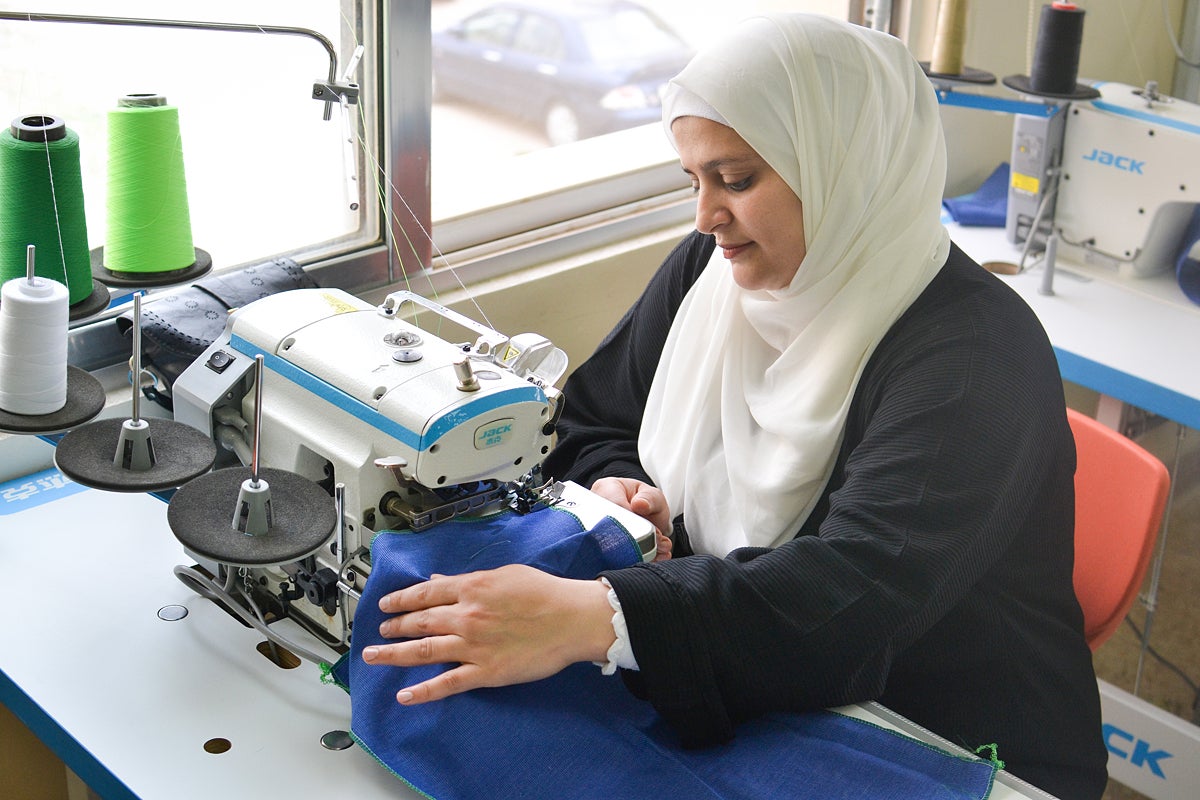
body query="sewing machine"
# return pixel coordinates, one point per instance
(402, 427)
(1128, 178)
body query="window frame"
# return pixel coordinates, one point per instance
(461, 248)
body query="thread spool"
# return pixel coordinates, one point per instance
(950, 38)
(33, 346)
(1056, 56)
(41, 204)
(148, 240)
(949, 43)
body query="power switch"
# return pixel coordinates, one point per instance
(218, 361)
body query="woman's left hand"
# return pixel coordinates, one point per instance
(509, 625)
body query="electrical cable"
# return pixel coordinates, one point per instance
(1160, 658)
(203, 585)
(228, 437)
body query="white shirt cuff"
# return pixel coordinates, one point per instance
(620, 654)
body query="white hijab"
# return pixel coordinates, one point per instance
(748, 405)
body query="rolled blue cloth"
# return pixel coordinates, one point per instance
(1187, 264)
(987, 206)
(580, 734)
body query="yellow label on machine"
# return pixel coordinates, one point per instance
(1026, 183)
(338, 305)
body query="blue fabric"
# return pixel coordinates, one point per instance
(1187, 265)
(581, 734)
(987, 206)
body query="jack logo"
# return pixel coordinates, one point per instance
(1141, 754)
(494, 433)
(1123, 163)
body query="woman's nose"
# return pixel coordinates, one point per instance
(711, 211)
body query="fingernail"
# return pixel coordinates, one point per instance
(404, 697)
(370, 653)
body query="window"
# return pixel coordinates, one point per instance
(550, 150)
(265, 173)
(268, 175)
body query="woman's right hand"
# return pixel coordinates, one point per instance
(647, 501)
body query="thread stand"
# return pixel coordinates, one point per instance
(278, 517)
(135, 454)
(94, 303)
(969, 76)
(1024, 85)
(84, 399)
(148, 280)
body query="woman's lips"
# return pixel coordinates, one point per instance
(730, 251)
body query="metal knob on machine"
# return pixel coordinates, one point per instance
(465, 375)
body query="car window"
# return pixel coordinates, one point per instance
(493, 27)
(540, 37)
(630, 33)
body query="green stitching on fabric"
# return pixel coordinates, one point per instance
(995, 755)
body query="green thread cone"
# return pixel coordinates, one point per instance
(41, 204)
(149, 225)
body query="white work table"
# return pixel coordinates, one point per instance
(129, 700)
(1134, 339)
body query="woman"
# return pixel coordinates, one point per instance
(859, 433)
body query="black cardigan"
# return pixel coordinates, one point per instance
(934, 574)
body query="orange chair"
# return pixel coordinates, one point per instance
(1120, 495)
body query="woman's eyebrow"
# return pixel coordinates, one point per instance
(718, 163)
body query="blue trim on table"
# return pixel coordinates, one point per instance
(72, 753)
(1128, 389)
(992, 103)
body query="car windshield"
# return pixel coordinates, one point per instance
(627, 34)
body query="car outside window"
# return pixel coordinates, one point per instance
(538, 37)
(628, 34)
(495, 28)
